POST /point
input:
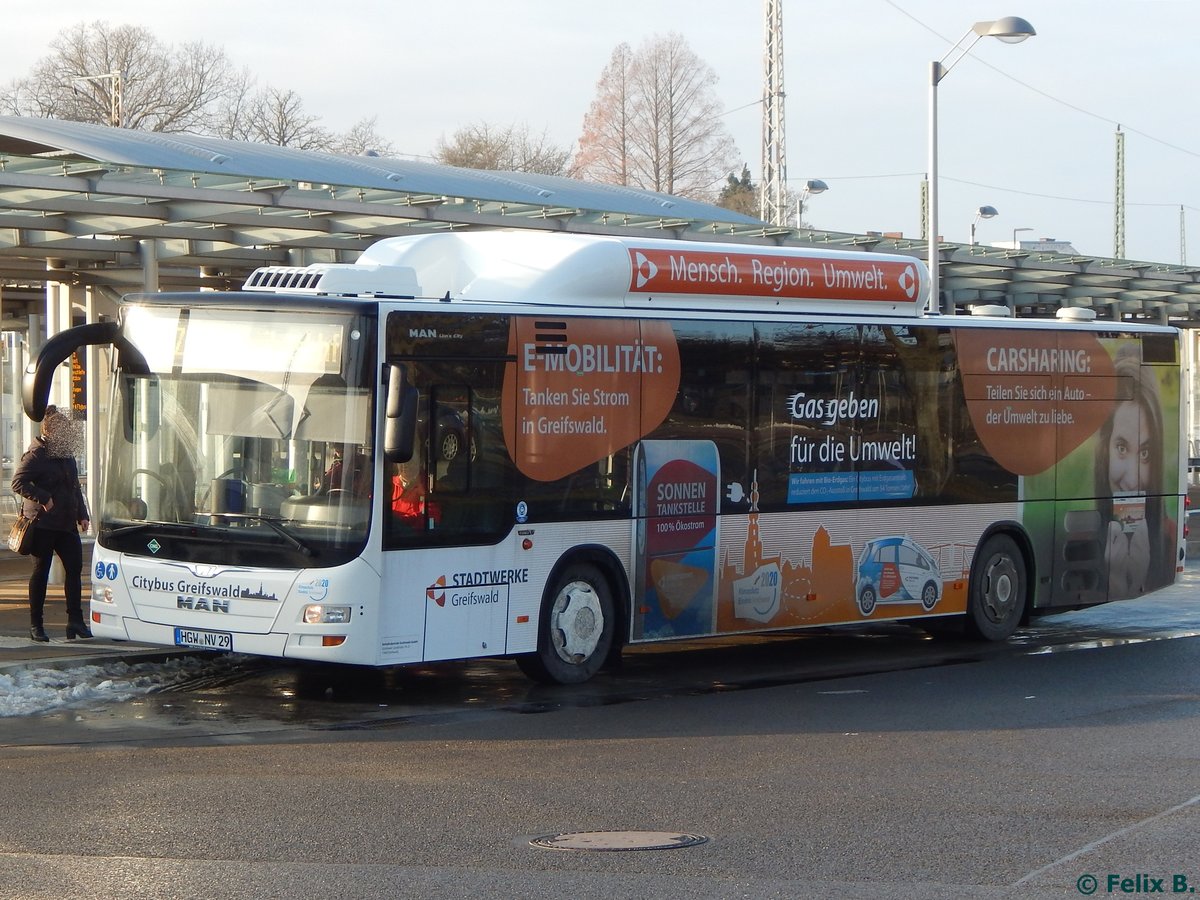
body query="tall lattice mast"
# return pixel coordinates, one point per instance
(1182, 238)
(1119, 203)
(773, 198)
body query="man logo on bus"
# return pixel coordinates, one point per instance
(646, 270)
(908, 282)
(437, 591)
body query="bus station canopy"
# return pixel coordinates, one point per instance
(123, 210)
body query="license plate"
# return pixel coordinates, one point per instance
(203, 640)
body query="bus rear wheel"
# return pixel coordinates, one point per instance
(998, 591)
(575, 633)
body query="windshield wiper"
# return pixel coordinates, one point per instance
(129, 529)
(275, 526)
(292, 540)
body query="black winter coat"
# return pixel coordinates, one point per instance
(39, 477)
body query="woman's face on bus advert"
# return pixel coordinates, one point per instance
(1129, 449)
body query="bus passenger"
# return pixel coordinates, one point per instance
(409, 503)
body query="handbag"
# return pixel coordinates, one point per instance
(20, 536)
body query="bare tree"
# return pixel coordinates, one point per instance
(275, 116)
(511, 149)
(604, 147)
(363, 139)
(234, 109)
(656, 122)
(123, 75)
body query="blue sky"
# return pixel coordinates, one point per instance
(1026, 128)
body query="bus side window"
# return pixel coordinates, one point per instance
(458, 486)
(467, 478)
(450, 437)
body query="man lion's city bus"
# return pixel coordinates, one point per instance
(548, 446)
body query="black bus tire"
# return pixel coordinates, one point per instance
(998, 589)
(576, 627)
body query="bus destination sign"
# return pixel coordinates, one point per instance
(793, 277)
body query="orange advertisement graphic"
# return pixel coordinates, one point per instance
(581, 389)
(688, 271)
(821, 590)
(1034, 396)
(676, 584)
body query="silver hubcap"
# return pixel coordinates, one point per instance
(999, 588)
(577, 622)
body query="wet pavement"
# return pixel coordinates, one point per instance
(17, 651)
(1170, 613)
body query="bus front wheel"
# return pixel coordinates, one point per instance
(575, 633)
(998, 591)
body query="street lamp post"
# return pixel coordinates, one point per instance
(1017, 246)
(984, 212)
(1010, 30)
(812, 186)
(116, 108)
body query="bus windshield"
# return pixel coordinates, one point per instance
(240, 436)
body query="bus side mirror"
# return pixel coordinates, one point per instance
(35, 383)
(400, 416)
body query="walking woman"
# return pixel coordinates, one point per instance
(48, 480)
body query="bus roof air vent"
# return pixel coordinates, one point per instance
(991, 309)
(335, 279)
(1075, 313)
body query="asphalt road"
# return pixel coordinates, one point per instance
(868, 764)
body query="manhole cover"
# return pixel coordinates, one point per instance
(618, 840)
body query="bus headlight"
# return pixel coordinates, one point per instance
(319, 614)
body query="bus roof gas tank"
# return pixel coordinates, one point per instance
(620, 272)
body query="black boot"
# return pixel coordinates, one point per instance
(78, 629)
(38, 633)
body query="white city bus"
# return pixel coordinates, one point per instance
(548, 446)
